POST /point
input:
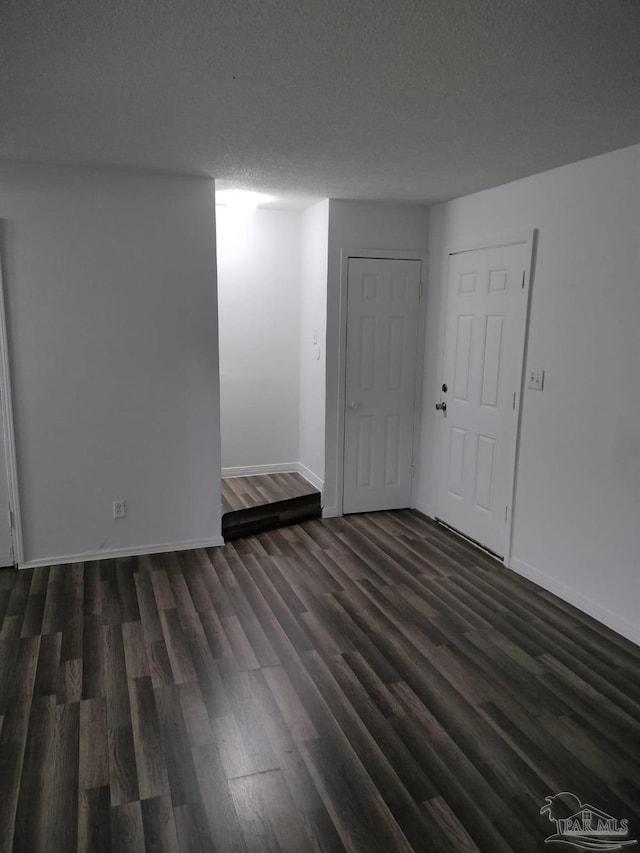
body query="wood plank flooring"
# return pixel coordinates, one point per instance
(252, 505)
(247, 492)
(366, 684)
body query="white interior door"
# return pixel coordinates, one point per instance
(381, 354)
(479, 402)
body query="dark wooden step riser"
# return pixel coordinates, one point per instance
(248, 522)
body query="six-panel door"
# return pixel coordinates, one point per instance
(382, 327)
(482, 375)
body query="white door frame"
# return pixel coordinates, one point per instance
(9, 443)
(529, 238)
(383, 254)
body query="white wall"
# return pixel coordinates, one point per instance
(577, 511)
(111, 299)
(259, 304)
(359, 225)
(313, 324)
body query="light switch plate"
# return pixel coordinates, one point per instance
(535, 380)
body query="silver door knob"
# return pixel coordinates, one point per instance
(441, 407)
(353, 404)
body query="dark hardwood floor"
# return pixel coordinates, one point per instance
(367, 684)
(246, 492)
(252, 505)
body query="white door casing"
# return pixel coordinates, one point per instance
(10, 529)
(381, 356)
(6, 518)
(487, 298)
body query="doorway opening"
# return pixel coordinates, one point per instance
(381, 354)
(381, 366)
(272, 307)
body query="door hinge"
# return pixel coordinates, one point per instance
(514, 399)
(413, 471)
(420, 290)
(10, 514)
(506, 512)
(524, 273)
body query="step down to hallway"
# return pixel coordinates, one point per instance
(266, 501)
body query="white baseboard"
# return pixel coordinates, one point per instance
(114, 553)
(425, 509)
(253, 470)
(330, 512)
(310, 477)
(275, 468)
(617, 623)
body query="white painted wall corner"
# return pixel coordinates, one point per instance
(622, 626)
(425, 509)
(310, 477)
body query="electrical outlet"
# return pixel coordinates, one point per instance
(120, 509)
(535, 380)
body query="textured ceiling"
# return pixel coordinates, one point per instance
(342, 98)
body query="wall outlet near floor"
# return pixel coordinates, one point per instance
(535, 379)
(120, 509)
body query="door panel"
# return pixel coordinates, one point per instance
(382, 336)
(482, 372)
(463, 357)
